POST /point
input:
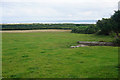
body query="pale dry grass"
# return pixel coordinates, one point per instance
(25, 31)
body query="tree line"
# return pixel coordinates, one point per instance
(39, 26)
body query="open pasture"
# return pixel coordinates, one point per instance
(48, 55)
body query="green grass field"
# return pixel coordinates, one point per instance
(48, 55)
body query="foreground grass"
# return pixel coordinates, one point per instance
(47, 55)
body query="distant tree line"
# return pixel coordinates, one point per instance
(39, 26)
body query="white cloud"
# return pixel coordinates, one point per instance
(57, 1)
(57, 9)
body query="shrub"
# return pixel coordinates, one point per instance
(117, 41)
(104, 26)
(85, 29)
(91, 29)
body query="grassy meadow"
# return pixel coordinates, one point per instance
(48, 55)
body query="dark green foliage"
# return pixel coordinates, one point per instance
(85, 29)
(104, 26)
(80, 29)
(77, 24)
(116, 20)
(116, 27)
(116, 16)
(117, 41)
(91, 29)
(39, 26)
(110, 26)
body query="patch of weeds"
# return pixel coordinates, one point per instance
(68, 58)
(42, 52)
(118, 67)
(79, 53)
(81, 62)
(13, 76)
(91, 56)
(72, 76)
(8, 54)
(10, 61)
(17, 75)
(4, 72)
(60, 63)
(32, 69)
(116, 41)
(14, 48)
(25, 56)
(47, 49)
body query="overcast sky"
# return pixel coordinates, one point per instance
(30, 10)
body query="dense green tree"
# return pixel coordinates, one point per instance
(105, 26)
(116, 23)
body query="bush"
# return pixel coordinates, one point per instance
(80, 29)
(117, 41)
(109, 25)
(104, 26)
(85, 29)
(91, 29)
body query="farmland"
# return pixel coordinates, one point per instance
(48, 55)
